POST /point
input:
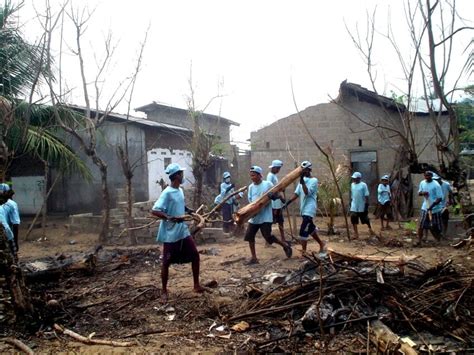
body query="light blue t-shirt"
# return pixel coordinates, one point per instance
(224, 194)
(358, 194)
(308, 203)
(4, 222)
(383, 194)
(434, 191)
(171, 201)
(254, 192)
(13, 214)
(446, 188)
(277, 204)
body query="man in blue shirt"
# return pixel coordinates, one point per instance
(307, 192)
(227, 188)
(178, 244)
(11, 211)
(359, 204)
(384, 197)
(263, 219)
(277, 204)
(430, 216)
(448, 199)
(4, 220)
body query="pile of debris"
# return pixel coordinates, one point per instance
(381, 296)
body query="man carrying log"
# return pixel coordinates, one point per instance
(178, 244)
(430, 216)
(307, 191)
(277, 204)
(263, 219)
(4, 219)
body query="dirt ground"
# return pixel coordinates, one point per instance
(122, 296)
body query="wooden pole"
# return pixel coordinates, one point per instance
(247, 212)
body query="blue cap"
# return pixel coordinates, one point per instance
(356, 175)
(276, 164)
(4, 187)
(173, 168)
(256, 169)
(226, 175)
(385, 177)
(436, 176)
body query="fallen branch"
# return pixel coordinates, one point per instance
(89, 340)
(19, 344)
(144, 332)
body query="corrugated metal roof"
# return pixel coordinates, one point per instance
(136, 120)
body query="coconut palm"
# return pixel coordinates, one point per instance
(27, 128)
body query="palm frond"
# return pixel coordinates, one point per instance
(51, 149)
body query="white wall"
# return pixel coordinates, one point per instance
(28, 193)
(156, 168)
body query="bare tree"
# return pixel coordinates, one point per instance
(429, 70)
(86, 127)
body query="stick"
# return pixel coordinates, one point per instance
(89, 340)
(216, 208)
(19, 344)
(144, 332)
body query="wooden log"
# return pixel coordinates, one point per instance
(387, 341)
(247, 212)
(19, 345)
(89, 340)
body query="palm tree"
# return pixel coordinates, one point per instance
(27, 128)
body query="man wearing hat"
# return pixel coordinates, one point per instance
(307, 192)
(4, 219)
(430, 216)
(178, 244)
(359, 204)
(227, 209)
(447, 200)
(384, 197)
(262, 220)
(277, 204)
(11, 211)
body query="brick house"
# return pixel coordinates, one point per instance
(347, 126)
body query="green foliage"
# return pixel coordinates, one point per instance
(465, 114)
(411, 226)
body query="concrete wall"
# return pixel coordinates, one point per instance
(180, 118)
(75, 195)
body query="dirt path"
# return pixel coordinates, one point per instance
(222, 261)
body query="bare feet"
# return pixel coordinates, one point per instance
(251, 262)
(323, 248)
(164, 297)
(199, 289)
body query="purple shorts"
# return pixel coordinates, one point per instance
(180, 252)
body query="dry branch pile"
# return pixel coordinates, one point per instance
(345, 292)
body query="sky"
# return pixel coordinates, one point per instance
(249, 53)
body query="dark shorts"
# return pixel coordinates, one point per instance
(445, 216)
(307, 227)
(428, 223)
(384, 210)
(363, 216)
(278, 216)
(180, 252)
(265, 229)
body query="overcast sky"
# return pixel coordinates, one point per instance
(248, 50)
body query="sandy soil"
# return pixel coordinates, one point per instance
(221, 261)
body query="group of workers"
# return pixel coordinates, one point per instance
(179, 245)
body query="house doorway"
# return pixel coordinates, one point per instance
(366, 163)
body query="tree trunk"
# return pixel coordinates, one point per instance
(198, 181)
(104, 233)
(130, 224)
(19, 309)
(254, 207)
